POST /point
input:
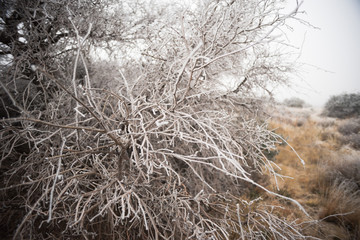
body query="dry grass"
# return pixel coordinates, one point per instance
(339, 184)
(329, 183)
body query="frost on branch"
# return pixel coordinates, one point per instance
(163, 153)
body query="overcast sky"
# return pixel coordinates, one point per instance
(332, 53)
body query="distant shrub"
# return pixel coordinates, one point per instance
(294, 102)
(350, 131)
(325, 123)
(300, 122)
(347, 168)
(353, 140)
(327, 135)
(351, 126)
(343, 106)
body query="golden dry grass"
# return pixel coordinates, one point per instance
(328, 186)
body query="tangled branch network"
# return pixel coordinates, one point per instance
(164, 154)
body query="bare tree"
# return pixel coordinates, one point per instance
(163, 153)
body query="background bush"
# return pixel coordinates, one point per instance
(353, 140)
(294, 102)
(351, 126)
(350, 131)
(343, 106)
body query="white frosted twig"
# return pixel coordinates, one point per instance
(55, 180)
(80, 43)
(256, 42)
(239, 220)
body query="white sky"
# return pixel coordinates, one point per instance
(334, 48)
